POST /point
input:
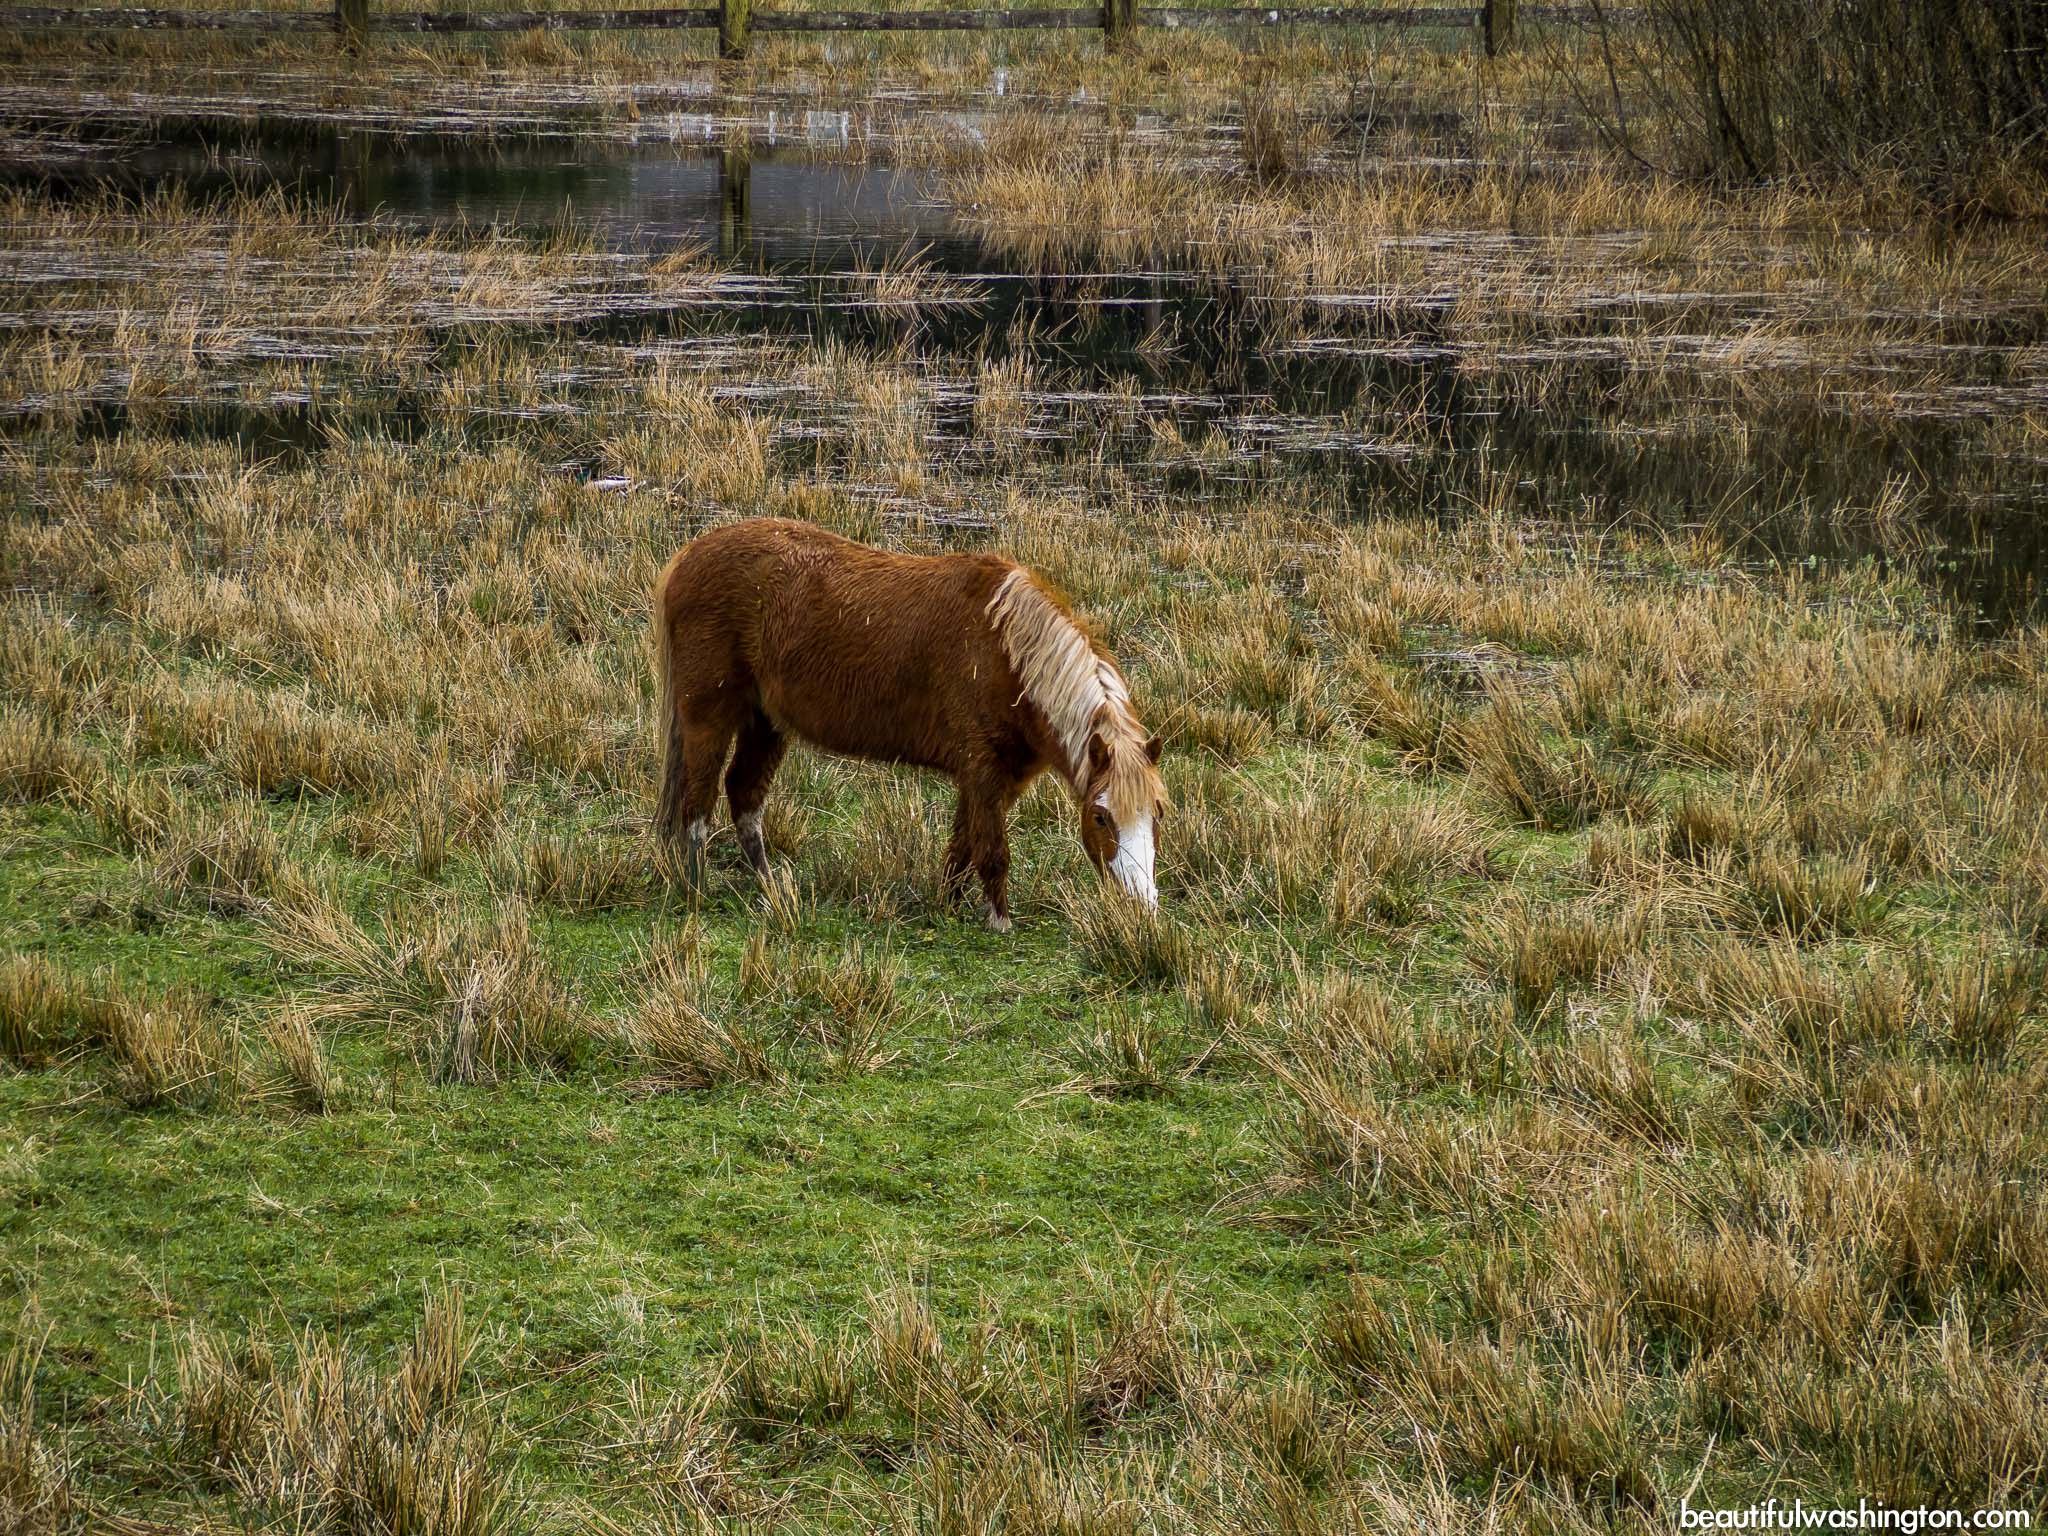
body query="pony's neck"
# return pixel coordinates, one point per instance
(1065, 678)
(1075, 687)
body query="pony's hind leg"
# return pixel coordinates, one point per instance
(705, 740)
(754, 762)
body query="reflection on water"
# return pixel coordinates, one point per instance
(1353, 403)
(801, 212)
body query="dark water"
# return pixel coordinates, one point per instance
(1357, 406)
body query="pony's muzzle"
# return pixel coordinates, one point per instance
(1147, 893)
(1131, 865)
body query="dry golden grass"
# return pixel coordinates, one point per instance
(298, 1069)
(36, 1496)
(472, 1001)
(683, 1037)
(161, 1048)
(315, 1432)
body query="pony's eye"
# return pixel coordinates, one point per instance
(1102, 818)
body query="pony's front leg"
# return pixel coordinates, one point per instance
(988, 840)
(959, 853)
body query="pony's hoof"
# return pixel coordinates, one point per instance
(998, 922)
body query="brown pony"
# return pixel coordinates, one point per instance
(969, 664)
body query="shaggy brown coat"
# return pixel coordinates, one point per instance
(966, 664)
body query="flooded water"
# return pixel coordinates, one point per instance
(1190, 386)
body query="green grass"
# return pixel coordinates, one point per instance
(552, 1200)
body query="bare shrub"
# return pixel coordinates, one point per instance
(1759, 88)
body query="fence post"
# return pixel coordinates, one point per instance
(1119, 21)
(352, 21)
(735, 197)
(735, 21)
(1497, 22)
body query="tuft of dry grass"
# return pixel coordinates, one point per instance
(38, 764)
(1980, 1000)
(1497, 1408)
(913, 1373)
(321, 1434)
(1145, 1359)
(1135, 1055)
(168, 1050)
(474, 1002)
(1536, 785)
(886, 856)
(1810, 899)
(794, 1381)
(1324, 851)
(847, 1003)
(231, 859)
(1285, 1431)
(682, 1038)
(161, 1049)
(36, 1496)
(1543, 955)
(44, 1010)
(581, 872)
(1127, 941)
(1422, 722)
(298, 1070)
(1343, 1142)
(675, 1447)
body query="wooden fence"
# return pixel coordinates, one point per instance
(738, 20)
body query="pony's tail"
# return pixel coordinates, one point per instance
(668, 811)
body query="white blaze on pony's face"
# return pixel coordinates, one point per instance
(1131, 864)
(1120, 816)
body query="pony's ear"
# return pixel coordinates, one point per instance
(1154, 747)
(1098, 754)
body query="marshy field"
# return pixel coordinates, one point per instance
(1584, 558)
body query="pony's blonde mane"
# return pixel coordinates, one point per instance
(1079, 689)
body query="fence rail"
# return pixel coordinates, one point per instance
(737, 20)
